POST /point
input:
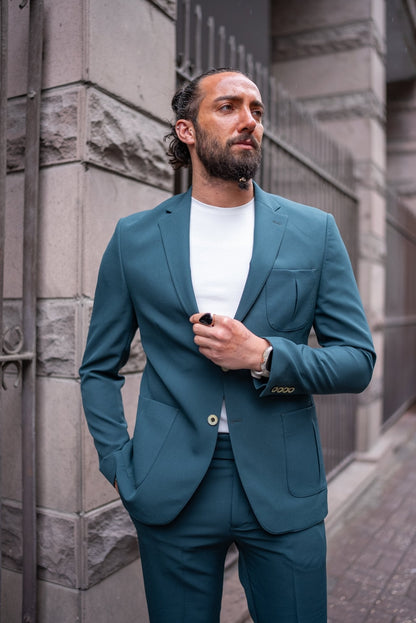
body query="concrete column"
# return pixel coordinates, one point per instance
(108, 76)
(330, 54)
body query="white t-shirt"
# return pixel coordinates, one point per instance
(221, 246)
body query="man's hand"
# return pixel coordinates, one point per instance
(228, 343)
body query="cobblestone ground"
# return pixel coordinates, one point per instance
(372, 556)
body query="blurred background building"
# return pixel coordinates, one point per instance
(85, 89)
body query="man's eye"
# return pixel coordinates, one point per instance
(258, 113)
(226, 107)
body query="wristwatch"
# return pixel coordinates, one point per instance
(265, 366)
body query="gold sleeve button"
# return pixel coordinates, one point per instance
(212, 420)
(282, 390)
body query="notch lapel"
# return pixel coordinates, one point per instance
(174, 229)
(269, 228)
(268, 234)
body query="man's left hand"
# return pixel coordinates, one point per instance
(228, 343)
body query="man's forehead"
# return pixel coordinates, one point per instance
(228, 83)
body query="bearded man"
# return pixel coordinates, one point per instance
(225, 282)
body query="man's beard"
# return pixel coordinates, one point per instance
(220, 162)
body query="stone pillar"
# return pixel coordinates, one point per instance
(108, 76)
(330, 54)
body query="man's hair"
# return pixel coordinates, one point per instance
(185, 105)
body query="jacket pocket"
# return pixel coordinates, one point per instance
(290, 298)
(304, 464)
(153, 424)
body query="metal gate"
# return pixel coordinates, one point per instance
(400, 322)
(299, 161)
(18, 341)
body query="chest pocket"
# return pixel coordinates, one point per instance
(290, 298)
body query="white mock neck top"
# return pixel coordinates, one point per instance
(221, 246)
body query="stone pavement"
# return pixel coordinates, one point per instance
(372, 551)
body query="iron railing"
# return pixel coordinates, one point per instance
(3, 167)
(400, 321)
(299, 161)
(18, 343)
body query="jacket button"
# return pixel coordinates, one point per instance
(282, 390)
(212, 420)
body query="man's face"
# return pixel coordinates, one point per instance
(228, 129)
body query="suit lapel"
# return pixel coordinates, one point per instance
(268, 233)
(174, 229)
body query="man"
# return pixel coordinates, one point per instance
(225, 282)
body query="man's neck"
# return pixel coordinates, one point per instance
(221, 193)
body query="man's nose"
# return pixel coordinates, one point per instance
(247, 122)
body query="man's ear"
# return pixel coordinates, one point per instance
(185, 131)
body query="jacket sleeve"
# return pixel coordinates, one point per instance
(112, 328)
(345, 360)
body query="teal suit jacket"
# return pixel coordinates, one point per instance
(300, 277)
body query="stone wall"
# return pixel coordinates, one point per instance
(330, 54)
(105, 106)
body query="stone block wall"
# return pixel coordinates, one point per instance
(330, 55)
(105, 106)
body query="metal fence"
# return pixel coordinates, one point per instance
(18, 341)
(299, 161)
(400, 321)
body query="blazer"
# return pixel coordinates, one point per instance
(300, 277)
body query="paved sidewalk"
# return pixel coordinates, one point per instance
(372, 553)
(371, 542)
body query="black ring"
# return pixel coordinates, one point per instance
(206, 319)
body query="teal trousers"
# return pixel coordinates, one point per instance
(284, 575)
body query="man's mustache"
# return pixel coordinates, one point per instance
(244, 138)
